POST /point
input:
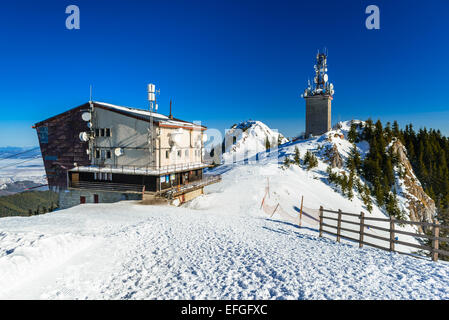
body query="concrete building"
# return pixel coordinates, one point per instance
(100, 152)
(319, 100)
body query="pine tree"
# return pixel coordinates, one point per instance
(267, 143)
(352, 134)
(297, 156)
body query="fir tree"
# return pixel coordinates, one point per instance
(297, 156)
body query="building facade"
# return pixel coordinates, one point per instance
(99, 152)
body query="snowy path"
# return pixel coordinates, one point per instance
(128, 251)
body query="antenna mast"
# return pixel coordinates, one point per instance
(153, 105)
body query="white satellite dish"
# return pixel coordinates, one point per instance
(86, 116)
(118, 152)
(331, 86)
(325, 77)
(84, 136)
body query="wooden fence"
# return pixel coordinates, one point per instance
(363, 223)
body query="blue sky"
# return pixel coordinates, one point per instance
(224, 61)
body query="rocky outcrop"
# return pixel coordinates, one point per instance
(421, 206)
(334, 157)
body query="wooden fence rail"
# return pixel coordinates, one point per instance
(391, 230)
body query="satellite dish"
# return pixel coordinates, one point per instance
(118, 152)
(331, 86)
(86, 116)
(84, 136)
(89, 125)
(325, 77)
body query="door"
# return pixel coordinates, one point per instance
(75, 179)
(82, 200)
(95, 198)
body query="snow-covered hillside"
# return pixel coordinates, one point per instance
(218, 246)
(246, 139)
(20, 168)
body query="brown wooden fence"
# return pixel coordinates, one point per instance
(364, 222)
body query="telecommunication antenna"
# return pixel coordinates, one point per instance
(152, 101)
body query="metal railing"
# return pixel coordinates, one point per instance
(181, 189)
(147, 170)
(107, 186)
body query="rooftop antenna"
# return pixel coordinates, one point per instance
(90, 95)
(170, 115)
(152, 101)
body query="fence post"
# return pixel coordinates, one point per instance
(321, 221)
(392, 234)
(339, 225)
(362, 228)
(300, 212)
(435, 242)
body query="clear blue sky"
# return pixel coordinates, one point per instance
(224, 61)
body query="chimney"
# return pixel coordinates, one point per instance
(170, 115)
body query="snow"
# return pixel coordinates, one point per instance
(131, 251)
(218, 246)
(250, 139)
(14, 170)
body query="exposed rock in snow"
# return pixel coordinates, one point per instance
(333, 156)
(421, 206)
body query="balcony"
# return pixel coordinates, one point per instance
(140, 170)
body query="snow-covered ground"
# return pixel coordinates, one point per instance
(219, 246)
(30, 169)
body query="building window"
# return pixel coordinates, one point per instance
(97, 132)
(179, 153)
(167, 154)
(97, 153)
(102, 132)
(108, 132)
(103, 154)
(108, 154)
(187, 153)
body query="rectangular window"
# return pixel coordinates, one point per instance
(97, 153)
(167, 154)
(187, 153)
(108, 132)
(179, 153)
(108, 154)
(102, 132)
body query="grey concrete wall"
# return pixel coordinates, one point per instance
(318, 114)
(71, 198)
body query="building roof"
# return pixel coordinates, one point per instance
(160, 119)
